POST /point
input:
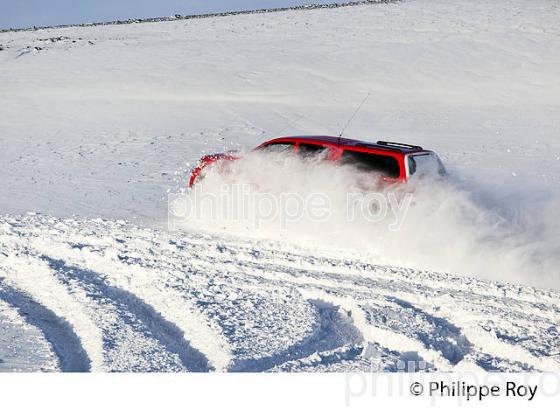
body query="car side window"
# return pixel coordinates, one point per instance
(311, 150)
(385, 165)
(278, 147)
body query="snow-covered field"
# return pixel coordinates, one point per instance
(99, 124)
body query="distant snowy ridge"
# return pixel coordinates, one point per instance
(310, 6)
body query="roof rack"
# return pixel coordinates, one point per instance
(398, 144)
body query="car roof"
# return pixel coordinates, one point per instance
(348, 142)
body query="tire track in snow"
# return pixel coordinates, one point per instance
(34, 278)
(334, 330)
(313, 277)
(486, 348)
(330, 292)
(440, 335)
(147, 264)
(149, 286)
(540, 302)
(23, 347)
(217, 254)
(492, 347)
(166, 333)
(534, 302)
(301, 350)
(513, 355)
(58, 332)
(408, 347)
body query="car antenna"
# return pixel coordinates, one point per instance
(353, 115)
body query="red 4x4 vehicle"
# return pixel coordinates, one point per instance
(395, 162)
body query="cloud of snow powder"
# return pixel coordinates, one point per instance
(507, 234)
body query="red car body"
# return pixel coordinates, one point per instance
(396, 162)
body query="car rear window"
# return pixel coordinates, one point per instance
(310, 150)
(425, 165)
(364, 161)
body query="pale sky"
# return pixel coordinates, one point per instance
(28, 13)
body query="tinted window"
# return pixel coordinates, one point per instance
(279, 147)
(367, 162)
(310, 150)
